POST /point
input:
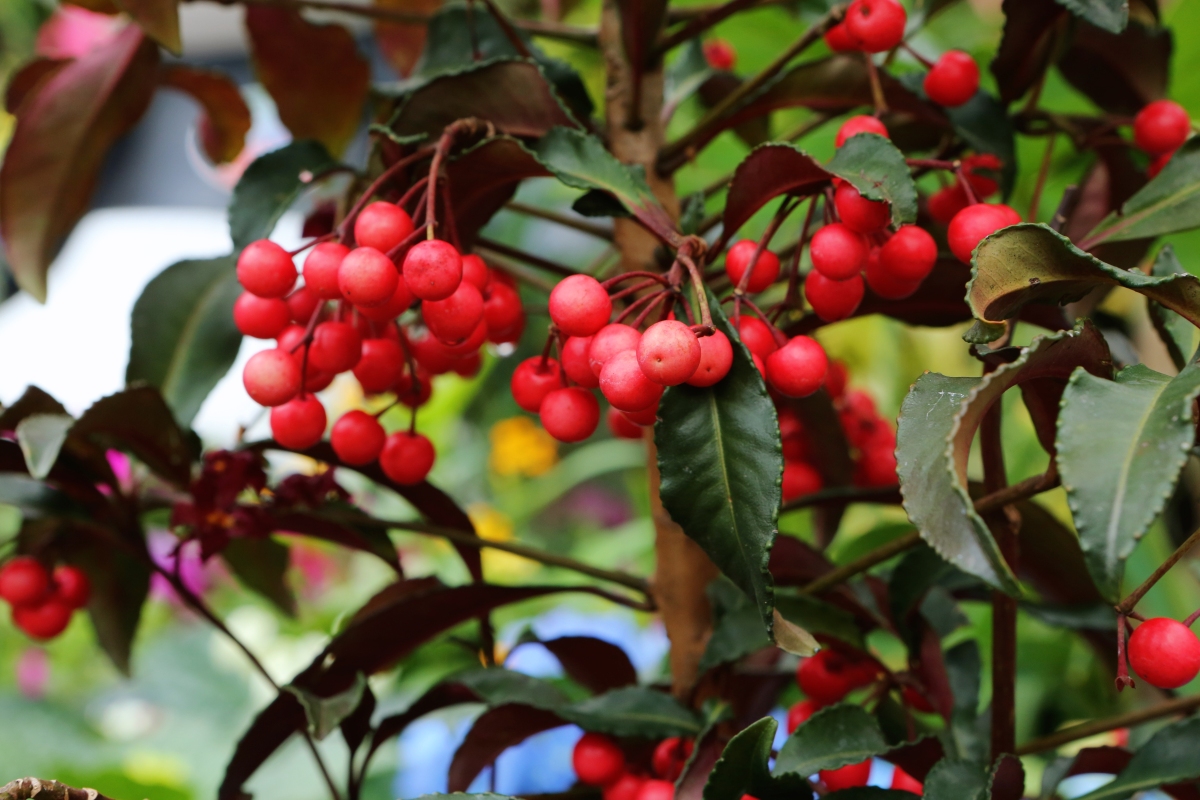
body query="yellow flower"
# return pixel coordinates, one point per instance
(495, 526)
(519, 447)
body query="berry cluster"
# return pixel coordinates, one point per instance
(1164, 652)
(42, 602)
(1159, 129)
(599, 761)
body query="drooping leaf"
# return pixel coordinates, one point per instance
(1177, 333)
(1122, 72)
(633, 711)
(743, 768)
(721, 462)
(956, 780)
(223, 127)
(1108, 15)
(41, 436)
(493, 732)
(120, 582)
(593, 663)
(1031, 32)
(182, 336)
(1168, 757)
(270, 185)
(261, 565)
(315, 74)
(138, 421)
(768, 172)
(325, 714)
(1169, 203)
(877, 169)
(64, 128)
(833, 737)
(1119, 474)
(158, 18)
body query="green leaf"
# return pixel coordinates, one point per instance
(595, 203)
(743, 768)
(35, 499)
(820, 618)
(684, 76)
(1169, 757)
(41, 437)
(1168, 204)
(270, 185)
(633, 711)
(833, 737)
(261, 565)
(721, 462)
(968, 736)
(877, 169)
(983, 124)
(324, 714)
(691, 213)
(956, 780)
(1177, 333)
(1094, 617)
(737, 626)
(1121, 446)
(1031, 263)
(499, 686)
(1110, 15)
(183, 339)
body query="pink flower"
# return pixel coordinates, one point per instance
(33, 673)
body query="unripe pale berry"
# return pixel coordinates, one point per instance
(265, 269)
(271, 377)
(575, 361)
(857, 125)
(532, 380)
(798, 368)
(857, 212)
(43, 620)
(1164, 652)
(670, 756)
(716, 358)
(388, 310)
(23, 581)
(357, 437)
(626, 787)
(884, 283)
(299, 423)
(622, 426)
(847, 777)
(800, 478)
(877, 25)
(321, 269)
(454, 318)
(475, 271)
(1160, 127)
(613, 338)
(910, 254)
(668, 352)
(800, 713)
(380, 366)
(833, 300)
(406, 458)
(432, 269)
(367, 277)
(975, 223)
(503, 313)
(570, 414)
(71, 586)
(302, 304)
(336, 347)
(838, 252)
(757, 336)
(625, 385)
(579, 305)
(764, 272)
(260, 317)
(953, 80)
(838, 39)
(597, 759)
(382, 225)
(656, 789)
(719, 54)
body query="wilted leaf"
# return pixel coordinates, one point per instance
(158, 18)
(1177, 333)
(1169, 203)
(270, 185)
(261, 565)
(875, 167)
(768, 172)
(225, 122)
(1168, 757)
(41, 437)
(833, 737)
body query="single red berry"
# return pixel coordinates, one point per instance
(302, 304)
(1157, 163)
(406, 458)
(625, 787)
(468, 366)
(357, 437)
(654, 789)
(265, 269)
(909, 255)
(43, 620)
(716, 359)
(668, 352)
(857, 125)
(903, 782)
(321, 269)
(24, 581)
(503, 313)
(838, 252)
(946, 202)
(877, 466)
(575, 361)
(622, 426)
(260, 317)
(953, 80)
(982, 184)
(388, 310)
(336, 347)
(432, 269)
(381, 365)
(835, 379)
(471, 344)
(858, 417)
(579, 305)
(1161, 126)
(646, 417)
(597, 759)
(570, 415)
(839, 40)
(800, 478)
(846, 777)
(670, 756)
(877, 25)
(764, 272)
(532, 380)
(435, 357)
(833, 300)
(1164, 652)
(798, 368)
(414, 394)
(975, 223)
(625, 385)
(884, 283)
(382, 226)
(800, 713)
(757, 336)
(299, 423)
(613, 338)
(71, 586)
(475, 271)
(271, 377)
(719, 54)
(367, 277)
(857, 212)
(830, 675)
(916, 701)
(455, 318)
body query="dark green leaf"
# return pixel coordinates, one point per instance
(1031, 31)
(596, 203)
(721, 462)
(34, 498)
(1177, 333)
(956, 780)
(1120, 473)
(983, 124)
(877, 169)
(261, 565)
(41, 437)
(1097, 617)
(691, 213)
(325, 714)
(968, 734)
(743, 770)
(183, 339)
(1109, 15)
(120, 585)
(633, 711)
(833, 737)
(685, 74)
(499, 686)
(1169, 757)
(737, 626)
(137, 421)
(820, 618)
(1119, 73)
(1169, 203)
(270, 186)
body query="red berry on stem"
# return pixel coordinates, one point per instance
(625, 385)
(23, 581)
(909, 255)
(404, 389)
(468, 366)
(475, 271)
(613, 338)
(835, 379)
(532, 380)
(1161, 127)
(902, 781)
(43, 620)
(435, 357)
(975, 223)
(981, 184)
(645, 417)
(622, 426)
(271, 377)
(800, 713)
(382, 225)
(575, 361)
(1157, 163)
(570, 415)
(877, 25)
(381, 365)
(839, 40)
(302, 304)
(846, 777)
(389, 309)
(1164, 652)
(833, 300)
(579, 305)
(716, 359)
(757, 336)
(336, 347)
(265, 269)
(800, 478)
(719, 54)
(357, 437)
(860, 124)
(798, 368)
(762, 275)
(838, 252)
(626, 787)
(432, 269)
(455, 318)
(367, 277)
(655, 789)
(857, 212)
(597, 759)
(71, 586)
(299, 423)
(668, 352)
(406, 458)
(260, 317)
(946, 202)
(953, 80)
(830, 675)
(884, 283)
(321, 269)
(503, 313)
(877, 465)
(670, 756)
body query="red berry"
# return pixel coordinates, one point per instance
(503, 313)
(1161, 126)
(321, 269)
(839, 40)
(597, 759)
(909, 255)
(357, 437)
(570, 415)
(833, 300)
(579, 305)
(670, 756)
(532, 380)
(798, 368)
(390, 309)
(475, 271)
(884, 283)
(265, 269)
(432, 269)
(299, 423)
(838, 252)
(382, 226)
(757, 336)
(575, 361)
(435, 357)
(835, 379)
(847, 777)
(625, 787)
(857, 125)
(468, 366)
(716, 358)
(668, 352)
(43, 620)
(953, 80)
(800, 478)
(1164, 652)
(260, 317)
(406, 458)
(367, 277)
(915, 700)
(902, 781)
(1157, 163)
(654, 789)
(946, 202)
(975, 223)
(830, 675)
(877, 25)
(857, 212)
(624, 384)
(719, 54)
(800, 713)
(764, 273)
(646, 417)
(381, 365)
(71, 586)
(613, 338)
(455, 318)
(336, 347)
(877, 465)
(622, 426)
(302, 304)
(414, 395)
(983, 185)
(271, 377)
(24, 581)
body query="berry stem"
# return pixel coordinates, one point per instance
(965, 184)
(792, 298)
(925, 62)
(699, 24)
(1192, 618)
(700, 289)
(399, 250)
(412, 191)
(1043, 173)
(780, 337)
(624, 276)
(638, 287)
(1123, 680)
(786, 207)
(1179, 705)
(641, 301)
(1131, 600)
(877, 96)
(658, 300)
(348, 223)
(930, 163)
(863, 563)
(312, 243)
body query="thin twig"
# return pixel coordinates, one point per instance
(1043, 173)
(1019, 491)
(528, 258)
(700, 23)
(1131, 600)
(845, 494)
(1180, 705)
(599, 231)
(863, 563)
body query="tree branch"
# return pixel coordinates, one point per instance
(1180, 705)
(863, 563)
(1131, 600)
(28, 788)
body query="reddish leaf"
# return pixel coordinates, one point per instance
(708, 749)
(138, 421)
(1100, 759)
(22, 84)
(593, 663)
(321, 526)
(315, 74)
(1119, 72)
(158, 18)
(401, 44)
(226, 118)
(1032, 29)
(496, 730)
(32, 401)
(484, 178)
(440, 696)
(918, 757)
(796, 563)
(1112, 180)
(1051, 559)
(641, 23)
(64, 128)
(753, 693)
(100, 6)
(932, 670)
(768, 172)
